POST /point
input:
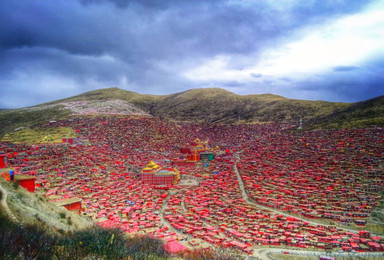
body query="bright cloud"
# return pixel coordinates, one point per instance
(347, 40)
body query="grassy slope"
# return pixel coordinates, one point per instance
(215, 105)
(16, 118)
(45, 231)
(40, 135)
(30, 208)
(360, 114)
(218, 105)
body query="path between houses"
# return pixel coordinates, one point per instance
(264, 253)
(249, 201)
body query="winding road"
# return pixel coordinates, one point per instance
(163, 221)
(264, 253)
(249, 201)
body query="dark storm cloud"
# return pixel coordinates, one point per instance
(363, 83)
(141, 45)
(212, 26)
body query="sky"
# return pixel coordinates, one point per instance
(330, 50)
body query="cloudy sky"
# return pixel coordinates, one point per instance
(319, 50)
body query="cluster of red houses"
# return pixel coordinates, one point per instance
(25, 181)
(327, 174)
(333, 176)
(215, 212)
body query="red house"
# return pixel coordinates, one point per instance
(177, 162)
(25, 181)
(3, 161)
(67, 140)
(70, 204)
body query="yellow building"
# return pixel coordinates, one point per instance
(154, 174)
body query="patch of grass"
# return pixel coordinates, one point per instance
(24, 118)
(41, 135)
(15, 185)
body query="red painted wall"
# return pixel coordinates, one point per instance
(3, 161)
(73, 206)
(28, 184)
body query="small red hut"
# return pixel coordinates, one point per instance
(70, 204)
(3, 161)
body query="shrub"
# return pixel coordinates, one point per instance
(15, 185)
(109, 243)
(33, 242)
(217, 253)
(145, 247)
(27, 242)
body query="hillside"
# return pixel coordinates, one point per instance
(144, 102)
(30, 208)
(10, 120)
(212, 105)
(360, 114)
(32, 228)
(221, 106)
(215, 105)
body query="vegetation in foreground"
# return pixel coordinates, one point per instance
(34, 242)
(29, 241)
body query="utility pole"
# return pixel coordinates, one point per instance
(300, 124)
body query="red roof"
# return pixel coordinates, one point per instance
(174, 247)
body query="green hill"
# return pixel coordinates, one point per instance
(211, 105)
(220, 106)
(360, 114)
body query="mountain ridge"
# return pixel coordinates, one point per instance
(208, 105)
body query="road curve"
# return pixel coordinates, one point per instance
(249, 201)
(264, 253)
